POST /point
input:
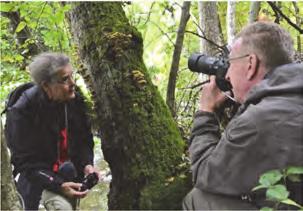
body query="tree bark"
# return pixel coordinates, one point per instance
(140, 139)
(9, 197)
(170, 95)
(210, 26)
(231, 21)
(254, 11)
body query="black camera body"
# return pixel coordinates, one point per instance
(209, 65)
(68, 172)
(89, 181)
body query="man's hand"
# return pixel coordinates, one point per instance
(71, 190)
(211, 96)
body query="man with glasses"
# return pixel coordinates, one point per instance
(265, 133)
(47, 128)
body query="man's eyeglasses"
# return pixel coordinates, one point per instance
(238, 57)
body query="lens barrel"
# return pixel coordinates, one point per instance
(209, 65)
(203, 64)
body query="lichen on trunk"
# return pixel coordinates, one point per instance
(9, 195)
(140, 139)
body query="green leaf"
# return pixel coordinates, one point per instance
(266, 209)
(291, 202)
(294, 170)
(277, 193)
(270, 178)
(20, 26)
(294, 177)
(19, 58)
(6, 7)
(67, 7)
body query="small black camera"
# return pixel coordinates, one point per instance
(89, 181)
(68, 172)
(217, 66)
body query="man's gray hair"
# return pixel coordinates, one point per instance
(45, 65)
(269, 41)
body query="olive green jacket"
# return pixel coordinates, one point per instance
(266, 133)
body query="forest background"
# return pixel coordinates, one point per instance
(131, 57)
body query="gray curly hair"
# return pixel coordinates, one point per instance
(45, 65)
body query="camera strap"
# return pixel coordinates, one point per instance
(230, 97)
(62, 144)
(66, 120)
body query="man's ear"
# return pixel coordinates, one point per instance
(253, 67)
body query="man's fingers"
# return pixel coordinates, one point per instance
(212, 79)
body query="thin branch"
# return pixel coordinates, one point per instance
(163, 32)
(39, 18)
(275, 8)
(173, 74)
(149, 13)
(197, 85)
(208, 40)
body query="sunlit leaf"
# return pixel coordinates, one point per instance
(277, 193)
(266, 209)
(294, 177)
(20, 26)
(294, 170)
(270, 178)
(7, 7)
(291, 202)
(19, 58)
(66, 7)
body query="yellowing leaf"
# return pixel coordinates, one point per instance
(20, 26)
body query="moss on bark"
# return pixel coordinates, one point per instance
(9, 197)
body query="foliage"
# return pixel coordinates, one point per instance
(274, 183)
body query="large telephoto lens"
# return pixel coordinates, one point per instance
(203, 64)
(209, 65)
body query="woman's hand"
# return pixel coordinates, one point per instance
(72, 190)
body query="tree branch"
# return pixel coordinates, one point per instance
(277, 9)
(170, 95)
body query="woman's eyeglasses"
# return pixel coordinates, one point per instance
(67, 79)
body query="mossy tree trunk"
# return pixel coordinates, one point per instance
(9, 197)
(140, 139)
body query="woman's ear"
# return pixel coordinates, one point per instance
(46, 87)
(252, 67)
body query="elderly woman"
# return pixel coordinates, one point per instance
(46, 127)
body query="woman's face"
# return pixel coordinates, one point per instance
(62, 86)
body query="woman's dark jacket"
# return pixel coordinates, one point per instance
(33, 131)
